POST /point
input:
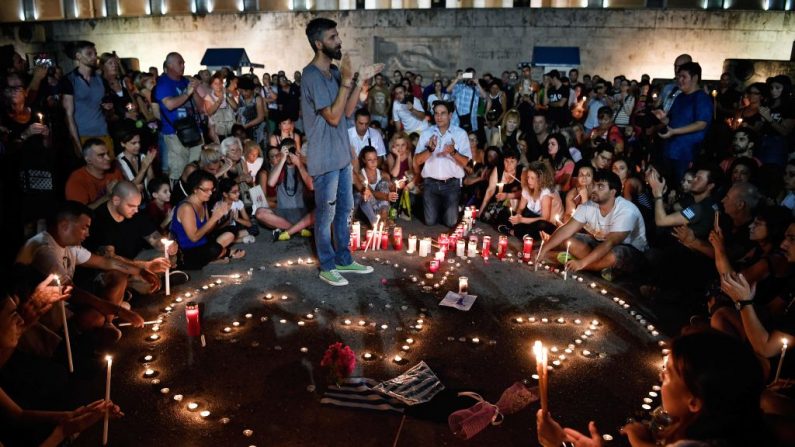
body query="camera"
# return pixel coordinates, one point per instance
(467, 75)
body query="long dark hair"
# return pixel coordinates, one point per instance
(725, 375)
(563, 149)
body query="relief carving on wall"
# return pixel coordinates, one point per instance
(423, 55)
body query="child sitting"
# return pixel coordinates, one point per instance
(237, 219)
(160, 210)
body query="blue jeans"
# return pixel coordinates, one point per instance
(334, 201)
(441, 198)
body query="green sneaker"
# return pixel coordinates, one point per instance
(306, 233)
(333, 277)
(284, 236)
(563, 259)
(607, 274)
(354, 267)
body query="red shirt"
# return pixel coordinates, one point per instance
(85, 188)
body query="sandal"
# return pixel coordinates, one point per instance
(237, 254)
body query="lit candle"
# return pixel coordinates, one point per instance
(527, 247)
(460, 248)
(398, 359)
(565, 265)
(472, 246)
(204, 413)
(439, 256)
(192, 315)
(784, 343)
(433, 267)
(499, 188)
(356, 235)
(108, 359)
(367, 356)
(62, 304)
(485, 248)
(541, 355)
(463, 285)
(397, 238)
(538, 256)
(425, 247)
(192, 406)
(412, 244)
(502, 246)
(166, 243)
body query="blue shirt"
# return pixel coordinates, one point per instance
(169, 88)
(464, 95)
(88, 94)
(327, 147)
(687, 109)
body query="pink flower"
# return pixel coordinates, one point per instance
(340, 359)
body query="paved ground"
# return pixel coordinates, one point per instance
(259, 375)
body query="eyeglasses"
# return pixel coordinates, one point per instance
(206, 190)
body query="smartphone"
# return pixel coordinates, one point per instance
(467, 75)
(44, 61)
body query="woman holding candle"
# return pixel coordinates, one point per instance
(29, 163)
(539, 203)
(504, 184)
(711, 387)
(49, 428)
(193, 223)
(399, 163)
(373, 192)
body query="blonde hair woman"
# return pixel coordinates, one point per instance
(539, 203)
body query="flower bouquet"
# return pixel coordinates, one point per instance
(340, 361)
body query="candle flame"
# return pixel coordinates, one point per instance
(108, 359)
(784, 342)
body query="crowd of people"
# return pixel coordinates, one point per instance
(684, 187)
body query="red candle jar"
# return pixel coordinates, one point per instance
(486, 247)
(192, 315)
(443, 241)
(433, 267)
(527, 248)
(474, 213)
(397, 238)
(384, 240)
(502, 246)
(451, 242)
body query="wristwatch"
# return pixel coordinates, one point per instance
(740, 304)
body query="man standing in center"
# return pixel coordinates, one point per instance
(328, 96)
(442, 151)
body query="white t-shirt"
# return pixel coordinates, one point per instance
(624, 216)
(443, 167)
(45, 255)
(253, 168)
(258, 199)
(535, 205)
(409, 122)
(370, 138)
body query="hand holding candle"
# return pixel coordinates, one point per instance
(541, 353)
(109, 359)
(784, 344)
(67, 341)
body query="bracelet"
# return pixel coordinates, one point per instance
(658, 198)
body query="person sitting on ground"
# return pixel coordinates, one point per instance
(211, 160)
(159, 209)
(581, 193)
(711, 387)
(232, 151)
(540, 203)
(744, 169)
(743, 143)
(61, 425)
(766, 334)
(253, 158)
(765, 265)
(290, 178)
(616, 235)
(699, 216)
(91, 185)
(285, 130)
(602, 159)
(237, 219)
(180, 189)
(505, 187)
(558, 157)
(58, 250)
(607, 132)
(373, 193)
(119, 231)
(193, 225)
(135, 166)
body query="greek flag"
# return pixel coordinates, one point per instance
(358, 393)
(415, 386)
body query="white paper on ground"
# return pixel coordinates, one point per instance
(460, 302)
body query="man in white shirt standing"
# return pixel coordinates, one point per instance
(616, 238)
(442, 151)
(361, 135)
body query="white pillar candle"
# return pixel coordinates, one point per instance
(425, 247)
(109, 359)
(166, 244)
(784, 343)
(412, 244)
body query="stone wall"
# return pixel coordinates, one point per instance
(612, 41)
